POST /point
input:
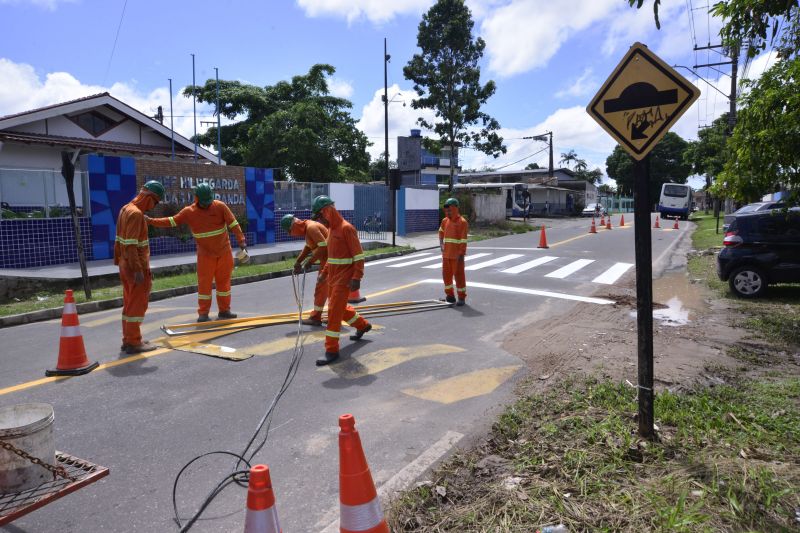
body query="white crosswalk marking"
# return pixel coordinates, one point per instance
(415, 262)
(468, 258)
(571, 268)
(529, 265)
(495, 261)
(612, 274)
(395, 259)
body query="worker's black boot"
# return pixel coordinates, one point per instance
(450, 299)
(461, 302)
(360, 333)
(203, 318)
(226, 315)
(312, 321)
(328, 358)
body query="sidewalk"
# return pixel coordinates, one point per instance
(259, 254)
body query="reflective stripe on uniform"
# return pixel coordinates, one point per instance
(223, 293)
(446, 287)
(214, 233)
(340, 260)
(360, 517)
(323, 243)
(233, 224)
(319, 308)
(126, 242)
(203, 296)
(455, 241)
(358, 257)
(142, 244)
(462, 289)
(133, 318)
(334, 334)
(70, 309)
(172, 221)
(70, 331)
(353, 320)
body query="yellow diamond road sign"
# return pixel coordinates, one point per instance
(641, 101)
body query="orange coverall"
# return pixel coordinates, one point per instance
(316, 246)
(453, 234)
(345, 263)
(132, 254)
(214, 255)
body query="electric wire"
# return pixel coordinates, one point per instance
(237, 475)
(116, 37)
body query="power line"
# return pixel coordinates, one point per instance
(116, 37)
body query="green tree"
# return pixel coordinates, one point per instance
(606, 190)
(592, 176)
(532, 166)
(377, 167)
(295, 126)
(707, 155)
(765, 147)
(667, 164)
(446, 78)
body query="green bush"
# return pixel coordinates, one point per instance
(466, 207)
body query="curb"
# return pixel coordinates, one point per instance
(102, 305)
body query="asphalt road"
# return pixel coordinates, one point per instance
(415, 384)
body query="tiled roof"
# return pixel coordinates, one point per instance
(90, 97)
(93, 144)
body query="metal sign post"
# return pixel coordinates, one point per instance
(637, 105)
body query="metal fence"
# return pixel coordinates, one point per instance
(372, 212)
(26, 193)
(294, 196)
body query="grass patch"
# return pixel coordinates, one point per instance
(705, 236)
(727, 460)
(499, 229)
(50, 299)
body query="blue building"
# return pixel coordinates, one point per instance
(417, 166)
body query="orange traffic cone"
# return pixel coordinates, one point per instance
(593, 228)
(657, 225)
(608, 222)
(602, 220)
(622, 221)
(355, 298)
(72, 359)
(360, 508)
(261, 514)
(675, 226)
(543, 239)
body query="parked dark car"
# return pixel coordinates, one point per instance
(756, 207)
(761, 249)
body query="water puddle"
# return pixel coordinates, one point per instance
(680, 300)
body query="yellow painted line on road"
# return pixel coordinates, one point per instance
(378, 361)
(116, 316)
(469, 385)
(287, 343)
(389, 291)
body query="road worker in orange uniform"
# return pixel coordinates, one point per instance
(210, 220)
(315, 251)
(343, 273)
(453, 243)
(132, 254)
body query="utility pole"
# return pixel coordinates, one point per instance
(389, 185)
(547, 137)
(219, 135)
(194, 111)
(171, 122)
(734, 63)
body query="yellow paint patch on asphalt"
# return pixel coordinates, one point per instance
(470, 385)
(374, 362)
(285, 344)
(389, 291)
(150, 326)
(214, 350)
(116, 316)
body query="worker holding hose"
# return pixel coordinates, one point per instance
(132, 254)
(453, 243)
(343, 273)
(210, 220)
(315, 251)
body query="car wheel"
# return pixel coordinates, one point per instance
(748, 282)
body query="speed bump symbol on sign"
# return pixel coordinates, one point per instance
(641, 101)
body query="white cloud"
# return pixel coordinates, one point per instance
(50, 5)
(526, 34)
(402, 118)
(376, 11)
(340, 88)
(584, 85)
(23, 89)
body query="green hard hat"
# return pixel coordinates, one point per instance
(286, 222)
(320, 202)
(451, 201)
(205, 194)
(156, 188)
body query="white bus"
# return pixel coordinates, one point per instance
(676, 200)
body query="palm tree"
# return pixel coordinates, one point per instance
(569, 157)
(580, 166)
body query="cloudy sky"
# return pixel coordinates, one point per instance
(548, 58)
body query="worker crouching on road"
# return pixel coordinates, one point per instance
(210, 220)
(453, 243)
(132, 254)
(343, 273)
(315, 251)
